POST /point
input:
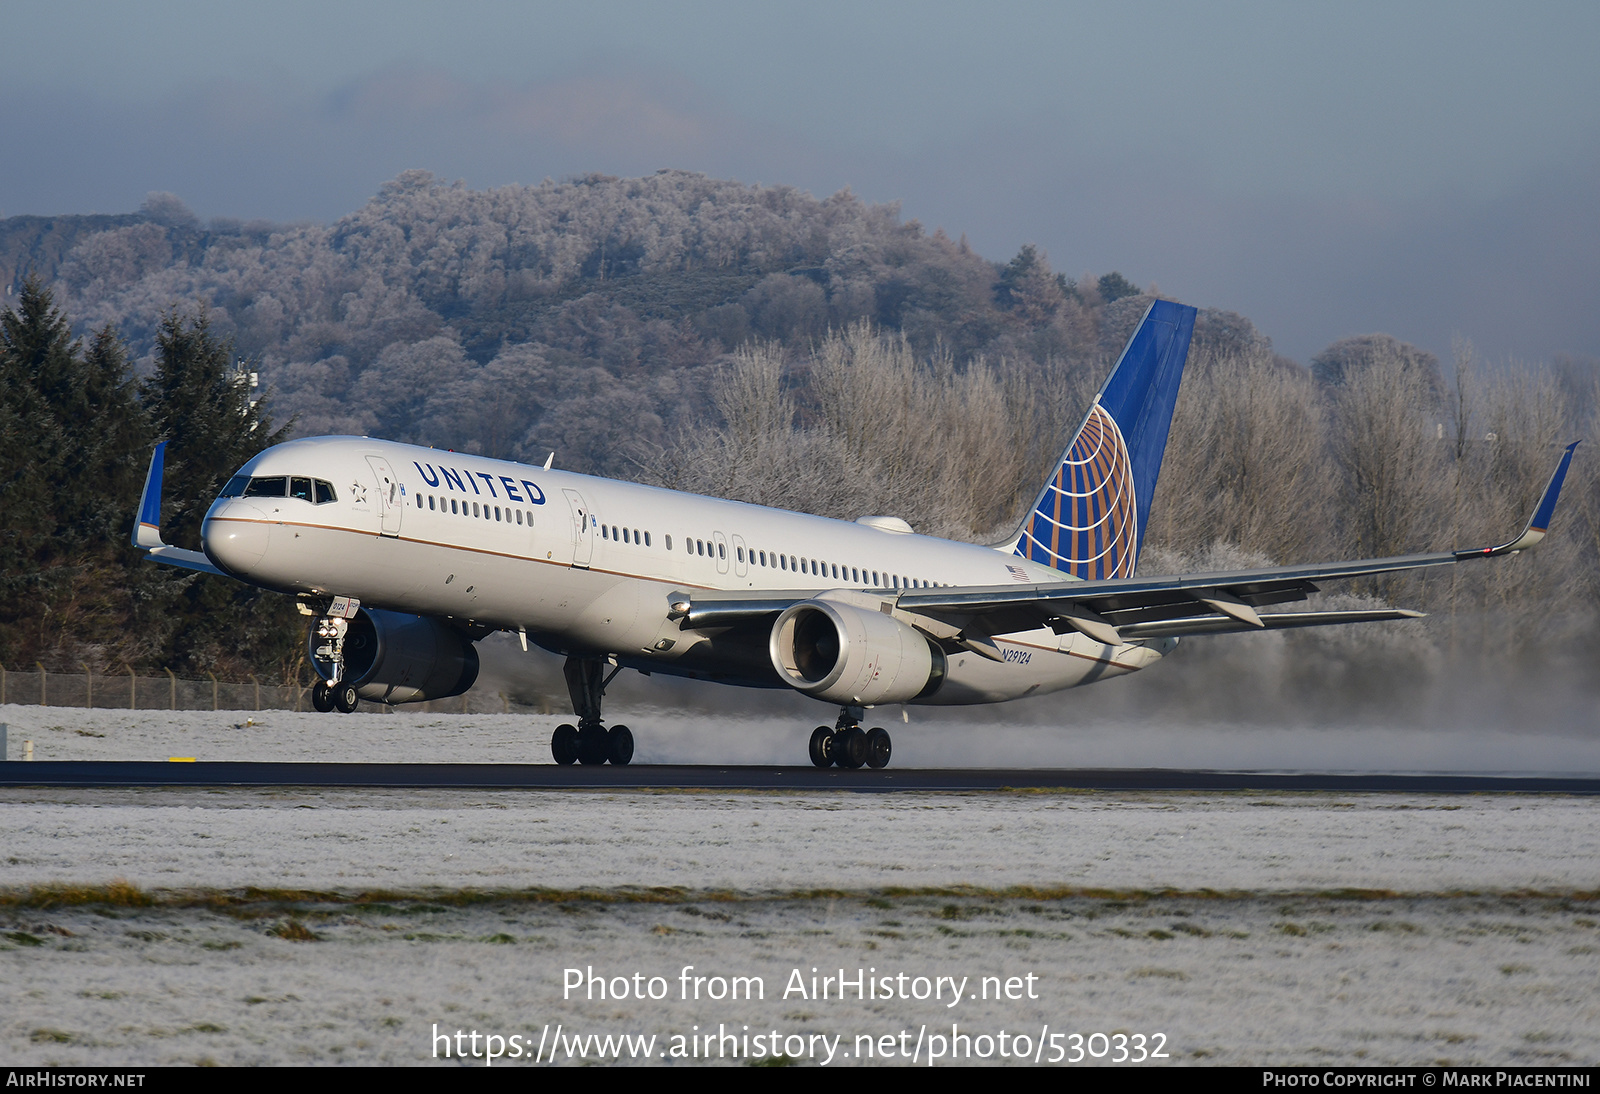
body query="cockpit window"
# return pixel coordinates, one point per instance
(266, 488)
(316, 491)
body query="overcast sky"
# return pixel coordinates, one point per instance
(1420, 169)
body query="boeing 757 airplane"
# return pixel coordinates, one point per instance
(406, 556)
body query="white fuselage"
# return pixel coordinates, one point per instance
(589, 565)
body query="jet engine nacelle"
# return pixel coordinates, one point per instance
(392, 657)
(853, 656)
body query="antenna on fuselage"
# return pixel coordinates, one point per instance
(548, 460)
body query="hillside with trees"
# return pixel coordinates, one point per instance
(749, 341)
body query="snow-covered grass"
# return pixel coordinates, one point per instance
(1241, 980)
(763, 843)
(326, 926)
(929, 739)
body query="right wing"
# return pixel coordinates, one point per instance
(1126, 609)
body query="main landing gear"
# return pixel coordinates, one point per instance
(848, 745)
(590, 742)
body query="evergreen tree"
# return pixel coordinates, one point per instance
(39, 362)
(68, 425)
(1113, 287)
(1016, 273)
(199, 400)
(35, 343)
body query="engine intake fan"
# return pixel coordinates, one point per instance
(845, 654)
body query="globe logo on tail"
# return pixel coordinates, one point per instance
(1086, 522)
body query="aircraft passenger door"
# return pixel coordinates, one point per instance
(741, 556)
(583, 525)
(391, 498)
(721, 542)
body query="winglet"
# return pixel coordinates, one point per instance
(1539, 523)
(147, 528)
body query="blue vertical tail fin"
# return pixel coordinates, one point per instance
(1089, 520)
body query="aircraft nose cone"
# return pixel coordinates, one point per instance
(236, 538)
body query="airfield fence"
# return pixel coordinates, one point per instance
(129, 691)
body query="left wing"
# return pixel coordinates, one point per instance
(1129, 609)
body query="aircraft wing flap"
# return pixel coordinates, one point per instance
(1134, 592)
(1272, 621)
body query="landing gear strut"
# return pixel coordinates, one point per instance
(590, 742)
(848, 745)
(333, 693)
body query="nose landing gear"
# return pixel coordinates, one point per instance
(333, 692)
(342, 697)
(848, 745)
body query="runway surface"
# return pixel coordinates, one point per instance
(710, 777)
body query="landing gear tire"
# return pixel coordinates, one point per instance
(564, 744)
(345, 698)
(321, 696)
(592, 742)
(879, 748)
(822, 747)
(850, 747)
(619, 746)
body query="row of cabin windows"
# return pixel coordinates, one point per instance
(701, 548)
(316, 491)
(811, 566)
(628, 535)
(488, 512)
